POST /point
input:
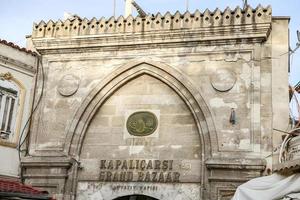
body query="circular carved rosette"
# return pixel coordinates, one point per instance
(223, 80)
(68, 85)
(141, 123)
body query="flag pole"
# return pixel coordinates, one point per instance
(187, 5)
(114, 8)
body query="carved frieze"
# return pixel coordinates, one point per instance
(6, 76)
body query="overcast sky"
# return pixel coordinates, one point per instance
(17, 16)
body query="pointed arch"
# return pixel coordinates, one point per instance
(168, 75)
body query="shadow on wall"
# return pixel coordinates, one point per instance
(135, 197)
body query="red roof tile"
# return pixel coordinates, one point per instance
(13, 187)
(17, 47)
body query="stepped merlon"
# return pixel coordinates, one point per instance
(189, 21)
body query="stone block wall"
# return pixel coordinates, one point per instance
(191, 76)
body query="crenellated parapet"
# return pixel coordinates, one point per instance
(168, 22)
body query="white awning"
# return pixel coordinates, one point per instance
(275, 186)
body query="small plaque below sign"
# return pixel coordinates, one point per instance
(142, 123)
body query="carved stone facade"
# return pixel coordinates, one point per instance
(193, 72)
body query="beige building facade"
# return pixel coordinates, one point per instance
(168, 106)
(17, 74)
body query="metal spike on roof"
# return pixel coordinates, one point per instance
(128, 8)
(141, 12)
(245, 4)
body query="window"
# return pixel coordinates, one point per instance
(9, 94)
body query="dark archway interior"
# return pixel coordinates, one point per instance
(135, 197)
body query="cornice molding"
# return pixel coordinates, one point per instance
(208, 28)
(64, 162)
(239, 163)
(202, 36)
(17, 64)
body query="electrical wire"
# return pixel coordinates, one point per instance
(250, 62)
(20, 142)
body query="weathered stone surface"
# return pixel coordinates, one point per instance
(223, 80)
(107, 191)
(165, 68)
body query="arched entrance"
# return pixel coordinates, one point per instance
(123, 165)
(135, 197)
(170, 76)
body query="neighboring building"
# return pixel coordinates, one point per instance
(17, 73)
(170, 107)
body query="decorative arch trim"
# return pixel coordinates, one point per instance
(168, 75)
(21, 100)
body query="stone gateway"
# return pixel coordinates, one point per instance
(140, 107)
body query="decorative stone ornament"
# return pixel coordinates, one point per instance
(78, 27)
(68, 85)
(223, 80)
(142, 123)
(6, 76)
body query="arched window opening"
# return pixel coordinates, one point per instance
(9, 95)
